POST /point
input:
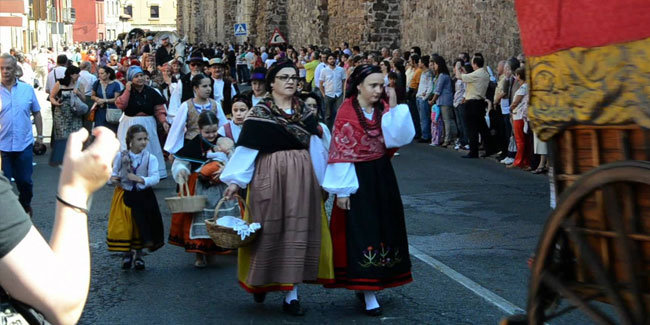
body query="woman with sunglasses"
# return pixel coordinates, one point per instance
(278, 157)
(368, 228)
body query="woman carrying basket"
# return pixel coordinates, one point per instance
(368, 228)
(198, 165)
(278, 157)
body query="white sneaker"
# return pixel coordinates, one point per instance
(509, 161)
(457, 146)
(396, 154)
(467, 147)
(503, 161)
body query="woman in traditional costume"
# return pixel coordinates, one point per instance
(368, 229)
(278, 157)
(184, 126)
(142, 105)
(199, 163)
(134, 221)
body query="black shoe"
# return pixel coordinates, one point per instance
(488, 154)
(292, 308)
(374, 312)
(259, 297)
(29, 211)
(127, 260)
(469, 156)
(360, 296)
(138, 264)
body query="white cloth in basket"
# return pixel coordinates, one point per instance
(242, 228)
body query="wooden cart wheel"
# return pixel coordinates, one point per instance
(601, 259)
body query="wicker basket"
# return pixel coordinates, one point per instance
(186, 203)
(227, 237)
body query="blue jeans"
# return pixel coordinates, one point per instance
(18, 165)
(425, 117)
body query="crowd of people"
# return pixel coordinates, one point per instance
(315, 121)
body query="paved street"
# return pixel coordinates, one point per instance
(472, 224)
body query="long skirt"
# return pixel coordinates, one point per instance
(149, 123)
(370, 244)
(134, 221)
(294, 244)
(188, 229)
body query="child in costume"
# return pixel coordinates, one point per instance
(199, 164)
(240, 106)
(134, 221)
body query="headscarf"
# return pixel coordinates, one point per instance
(359, 74)
(132, 72)
(275, 68)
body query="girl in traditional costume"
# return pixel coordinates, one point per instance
(185, 124)
(134, 221)
(368, 229)
(276, 157)
(199, 163)
(232, 129)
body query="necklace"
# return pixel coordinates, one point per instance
(373, 129)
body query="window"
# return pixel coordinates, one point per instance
(128, 10)
(155, 14)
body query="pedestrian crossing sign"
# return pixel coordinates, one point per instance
(241, 30)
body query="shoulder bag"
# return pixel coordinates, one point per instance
(79, 108)
(113, 115)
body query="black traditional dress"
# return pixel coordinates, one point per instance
(370, 243)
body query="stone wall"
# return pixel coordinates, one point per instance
(347, 21)
(450, 27)
(308, 22)
(447, 27)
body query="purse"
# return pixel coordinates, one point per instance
(79, 108)
(113, 115)
(93, 111)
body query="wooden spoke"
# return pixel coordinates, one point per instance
(557, 285)
(602, 224)
(626, 250)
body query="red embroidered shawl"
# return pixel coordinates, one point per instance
(351, 142)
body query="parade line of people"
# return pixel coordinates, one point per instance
(315, 123)
(272, 146)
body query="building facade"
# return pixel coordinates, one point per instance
(89, 27)
(34, 23)
(112, 11)
(150, 15)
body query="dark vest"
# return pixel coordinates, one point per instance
(226, 104)
(188, 92)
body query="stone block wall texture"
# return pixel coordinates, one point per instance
(447, 27)
(307, 22)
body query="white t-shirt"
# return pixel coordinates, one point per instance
(521, 110)
(332, 80)
(51, 79)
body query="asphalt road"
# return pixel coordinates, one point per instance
(472, 216)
